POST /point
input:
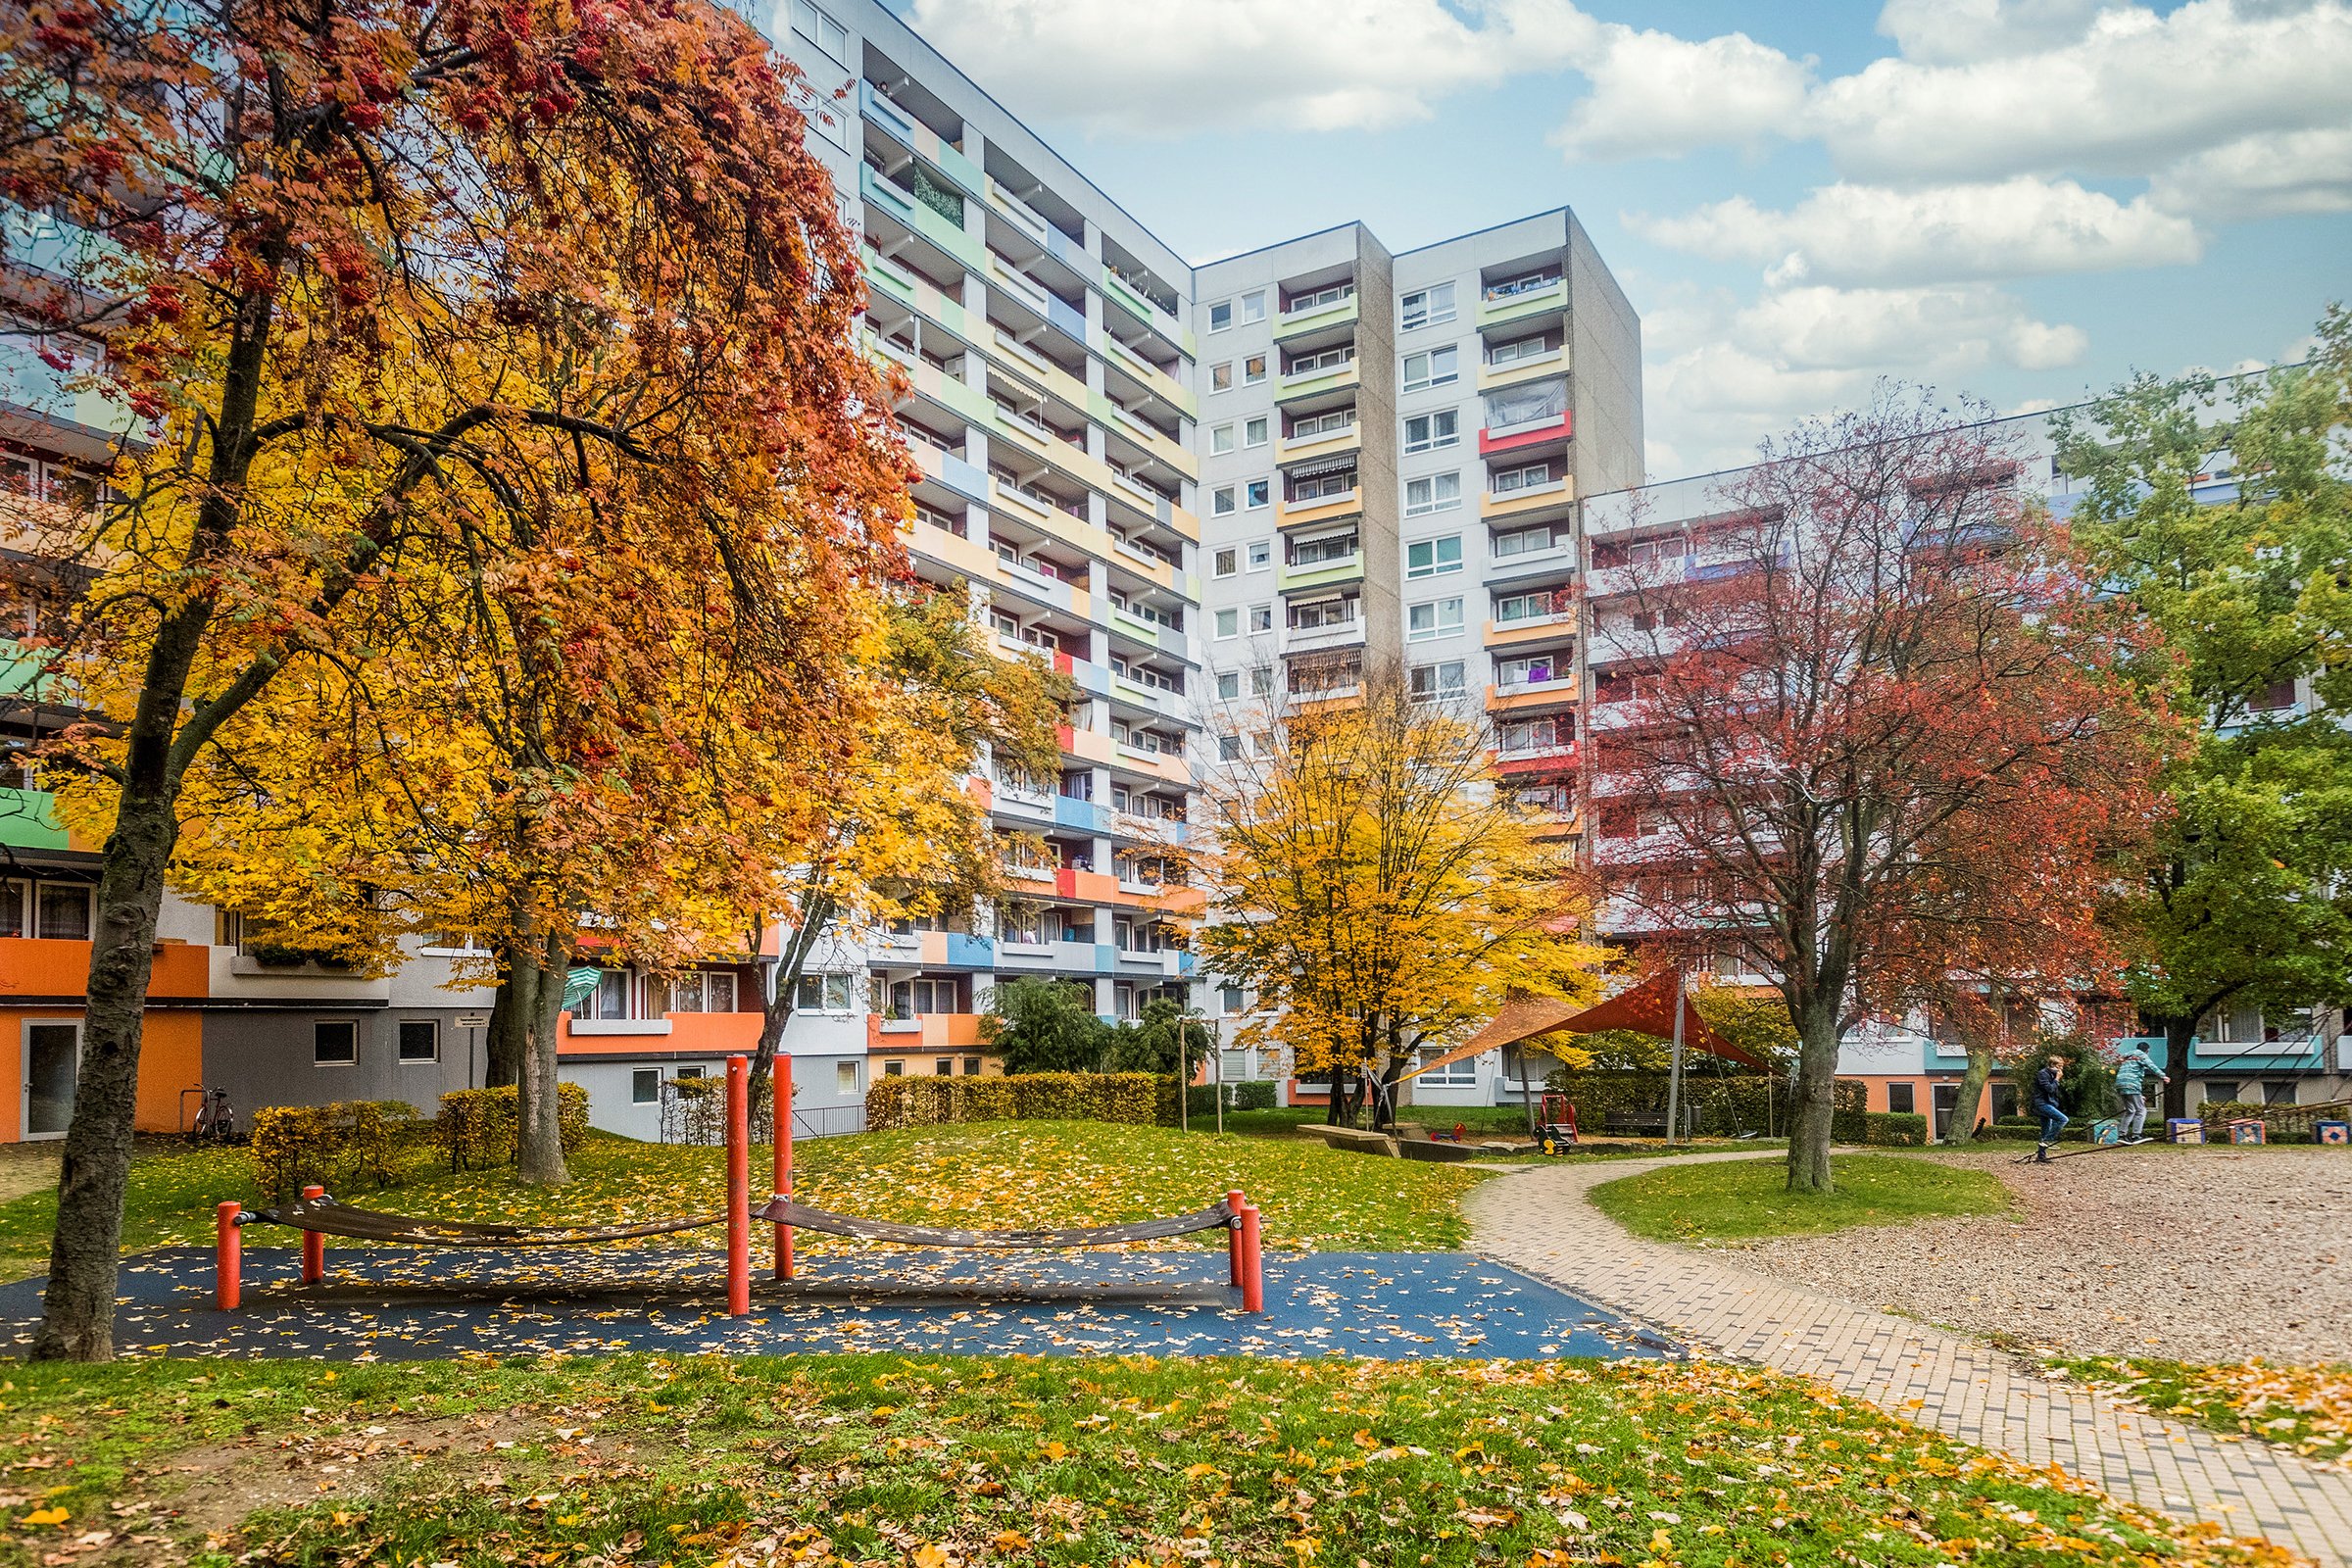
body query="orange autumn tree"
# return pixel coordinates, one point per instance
(419, 297)
(1379, 888)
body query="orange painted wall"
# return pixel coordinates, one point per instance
(31, 967)
(171, 1058)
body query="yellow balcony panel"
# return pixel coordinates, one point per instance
(1308, 449)
(1492, 377)
(1504, 634)
(1304, 514)
(1534, 498)
(1513, 698)
(930, 539)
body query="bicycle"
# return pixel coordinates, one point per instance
(215, 1119)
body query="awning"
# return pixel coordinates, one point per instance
(1646, 1008)
(1344, 463)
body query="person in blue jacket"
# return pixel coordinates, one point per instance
(2133, 1070)
(2044, 1105)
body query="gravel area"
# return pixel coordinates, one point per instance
(27, 1168)
(2196, 1255)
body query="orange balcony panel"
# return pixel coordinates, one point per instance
(1300, 514)
(31, 967)
(1091, 886)
(933, 1031)
(1503, 634)
(1557, 694)
(717, 1034)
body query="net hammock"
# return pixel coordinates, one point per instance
(784, 1211)
(330, 1218)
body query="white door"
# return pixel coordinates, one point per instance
(52, 1061)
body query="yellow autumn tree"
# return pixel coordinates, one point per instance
(1379, 887)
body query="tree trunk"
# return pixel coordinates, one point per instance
(539, 1127)
(510, 1032)
(1972, 1079)
(2177, 1032)
(816, 912)
(78, 1309)
(1814, 1097)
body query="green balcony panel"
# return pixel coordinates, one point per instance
(1340, 313)
(1535, 302)
(1320, 574)
(29, 820)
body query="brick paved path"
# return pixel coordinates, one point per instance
(1539, 1220)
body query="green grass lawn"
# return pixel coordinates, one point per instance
(987, 1175)
(956, 1463)
(2305, 1409)
(1737, 1200)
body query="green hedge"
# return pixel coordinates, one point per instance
(1721, 1105)
(1249, 1095)
(1130, 1097)
(477, 1126)
(1899, 1127)
(337, 1146)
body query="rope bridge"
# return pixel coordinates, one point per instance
(319, 1216)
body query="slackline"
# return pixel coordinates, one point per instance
(330, 1218)
(784, 1211)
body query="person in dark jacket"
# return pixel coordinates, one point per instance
(2044, 1105)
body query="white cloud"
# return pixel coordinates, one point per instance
(2135, 92)
(1946, 31)
(2261, 176)
(1751, 371)
(1162, 67)
(1870, 234)
(1655, 95)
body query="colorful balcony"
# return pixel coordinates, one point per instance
(926, 1031)
(932, 225)
(921, 140)
(1171, 330)
(49, 968)
(1320, 573)
(1530, 501)
(1531, 368)
(1325, 508)
(1315, 448)
(1550, 432)
(1319, 383)
(1316, 318)
(1161, 384)
(1545, 298)
(1348, 633)
(29, 822)
(1530, 628)
(929, 540)
(1519, 695)
(965, 402)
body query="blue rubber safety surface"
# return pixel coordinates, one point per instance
(402, 1305)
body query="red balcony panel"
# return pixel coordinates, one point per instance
(1538, 435)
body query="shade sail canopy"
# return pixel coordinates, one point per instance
(1646, 1008)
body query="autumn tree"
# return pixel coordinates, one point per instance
(1871, 652)
(417, 299)
(2244, 899)
(1378, 885)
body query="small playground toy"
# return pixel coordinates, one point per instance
(2109, 1131)
(2248, 1130)
(1556, 1133)
(2332, 1132)
(2185, 1130)
(318, 1216)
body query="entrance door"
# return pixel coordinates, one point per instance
(1948, 1101)
(51, 1061)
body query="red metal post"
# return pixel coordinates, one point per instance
(314, 1245)
(1254, 1278)
(783, 1189)
(229, 1260)
(739, 1187)
(1233, 1237)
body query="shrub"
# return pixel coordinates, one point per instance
(1126, 1096)
(476, 1127)
(1897, 1127)
(1257, 1094)
(341, 1145)
(1849, 1111)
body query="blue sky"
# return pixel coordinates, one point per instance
(2016, 199)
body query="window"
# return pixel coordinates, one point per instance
(1324, 550)
(1254, 305)
(1427, 433)
(1229, 747)
(943, 1067)
(645, 1086)
(697, 991)
(1254, 370)
(1462, 1074)
(2277, 1091)
(1431, 558)
(1229, 684)
(1221, 316)
(1220, 377)
(1256, 493)
(1220, 502)
(820, 29)
(335, 1043)
(1261, 554)
(1427, 306)
(1261, 617)
(1529, 476)
(1228, 624)
(1438, 682)
(1524, 283)
(2276, 695)
(1254, 431)
(1541, 604)
(822, 992)
(1315, 298)
(894, 1069)
(1220, 438)
(1521, 542)
(1261, 681)
(1330, 421)
(844, 1078)
(1545, 734)
(1531, 669)
(1324, 486)
(972, 1066)
(419, 1040)
(925, 993)
(1229, 998)
(1436, 618)
(1524, 348)
(1436, 368)
(1323, 615)
(2222, 1088)
(63, 911)
(1227, 562)
(1902, 1098)
(1437, 492)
